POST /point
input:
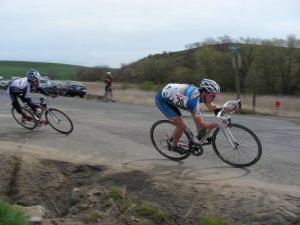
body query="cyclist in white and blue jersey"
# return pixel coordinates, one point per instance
(188, 97)
(20, 88)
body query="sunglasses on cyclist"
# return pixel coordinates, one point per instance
(213, 95)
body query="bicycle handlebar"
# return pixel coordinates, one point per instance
(43, 101)
(235, 104)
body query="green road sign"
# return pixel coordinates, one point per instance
(234, 48)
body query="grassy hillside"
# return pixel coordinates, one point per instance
(53, 70)
(263, 69)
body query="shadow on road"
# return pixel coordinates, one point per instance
(17, 135)
(167, 168)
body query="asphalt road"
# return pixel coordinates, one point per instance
(118, 134)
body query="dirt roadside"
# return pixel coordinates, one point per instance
(72, 192)
(289, 105)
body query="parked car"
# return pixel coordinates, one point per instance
(14, 78)
(45, 82)
(4, 84)
(73, 88)
(59, 88)
(53, 87)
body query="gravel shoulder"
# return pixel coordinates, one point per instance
(28, 179)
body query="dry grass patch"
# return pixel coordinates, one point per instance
(130, 93)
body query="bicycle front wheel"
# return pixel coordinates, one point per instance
(29, 123)
(160, 132)
(59, 121)
(237, 146)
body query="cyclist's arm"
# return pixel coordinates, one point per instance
(211, 106)
(199, 122)
(198, 119)
(27, 98)
(43, 91)
(216, 108)
(31, 104)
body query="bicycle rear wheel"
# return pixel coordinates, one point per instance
(245, 149)
(28, 124)
(59, 121)
(160, 132)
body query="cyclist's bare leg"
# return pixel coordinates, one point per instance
(180, 126)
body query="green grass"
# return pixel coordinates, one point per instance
(119, 198)
(144, 222)
(150, 86)
(52, 70)
(151, 210)
(10, 215)
(213, 220)
(92, 216)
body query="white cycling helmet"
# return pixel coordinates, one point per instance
(210, 86)
(33, 75)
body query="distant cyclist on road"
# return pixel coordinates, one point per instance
(188, 97)
(20, 88)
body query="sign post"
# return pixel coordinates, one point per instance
(236, 63)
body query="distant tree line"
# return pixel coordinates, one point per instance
(267, 66)
(91, 74)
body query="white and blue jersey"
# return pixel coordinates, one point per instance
(21, 88)
(174, 96)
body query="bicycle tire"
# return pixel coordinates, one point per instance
(55, 118)
(249, 146)
(30, 125)
(159, 134)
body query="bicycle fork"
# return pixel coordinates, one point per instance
(55, 117)
(230, 138)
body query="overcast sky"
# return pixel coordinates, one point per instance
(112, 32)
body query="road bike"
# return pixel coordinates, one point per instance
(235, 144)
(57, 119)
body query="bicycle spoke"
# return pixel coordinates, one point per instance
(160, 132)
(59, 121)
(27, 123)
(55, 117)
(246, 153)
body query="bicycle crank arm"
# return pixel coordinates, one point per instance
(196, 149)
